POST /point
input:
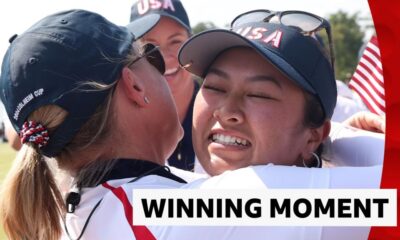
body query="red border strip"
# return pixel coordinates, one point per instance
(140, 232)
(386, 20)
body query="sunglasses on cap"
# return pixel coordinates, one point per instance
(306, 23)
(153, 56)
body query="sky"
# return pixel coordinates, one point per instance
(18, 15)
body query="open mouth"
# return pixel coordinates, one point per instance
(229, 140)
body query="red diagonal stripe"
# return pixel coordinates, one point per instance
(374, 65)
(367, 86)
(372, 51)
(368, 100)
(140, 232)
(372, 69)
(370, 81)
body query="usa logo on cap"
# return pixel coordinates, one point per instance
(144, 6)
(161, 8)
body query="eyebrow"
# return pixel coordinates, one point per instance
(176, 35)
(172, 36)
(257, 78)
(218, 72)
(263, 78)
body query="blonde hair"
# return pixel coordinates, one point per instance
(31, 205)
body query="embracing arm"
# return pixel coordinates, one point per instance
(348, 146)
(272, 176)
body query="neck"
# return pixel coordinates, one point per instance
(115, 148)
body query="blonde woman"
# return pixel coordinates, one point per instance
(169, 33)
(94, 101)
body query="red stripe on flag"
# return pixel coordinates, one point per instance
(367, 80)
(374, 50)
(360, 78)
(370, 78)
(140, 232)
(367, 99)
(374, 40)
(372, 67)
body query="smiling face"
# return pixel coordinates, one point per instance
(170, 36)
(248, 113)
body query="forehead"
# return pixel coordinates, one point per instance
(243, 60)
(245, 63)
(240, 55)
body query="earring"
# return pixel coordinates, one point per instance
(319, 164)
(146, 100)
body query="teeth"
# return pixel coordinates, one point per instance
(171, 71)
(228, 140)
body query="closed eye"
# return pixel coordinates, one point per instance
(177, 42)
(261, 96)
(213, 88)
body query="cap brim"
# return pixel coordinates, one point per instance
(200, 51)
(143, 25)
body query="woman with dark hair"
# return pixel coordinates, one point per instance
(268, 92)
(268, 95)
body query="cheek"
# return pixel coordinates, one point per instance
(164, 93)
(276, 133)
(170, 54)
(283, 145)
(163, 87)
(202, 122)
(201, 112)
(170, 59)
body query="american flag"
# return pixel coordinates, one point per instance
(367, 80)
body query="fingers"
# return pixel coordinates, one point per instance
(367, 121)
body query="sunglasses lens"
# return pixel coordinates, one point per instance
(154, 57)
(305, 22)
(256, 16)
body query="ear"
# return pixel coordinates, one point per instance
(133, 87)
(316, 137)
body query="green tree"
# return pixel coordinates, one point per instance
(202, 26)
(347, 39)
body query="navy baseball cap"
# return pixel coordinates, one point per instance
(50, 64)
(142, 9)
(297, 56)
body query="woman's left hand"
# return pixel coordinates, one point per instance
(367, 121)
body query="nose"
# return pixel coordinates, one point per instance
(229, 112)
(167, 52)
(168, 56)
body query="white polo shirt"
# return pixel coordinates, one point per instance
(111, 219)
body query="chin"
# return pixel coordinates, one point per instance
(218, 166)
(213, 172)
